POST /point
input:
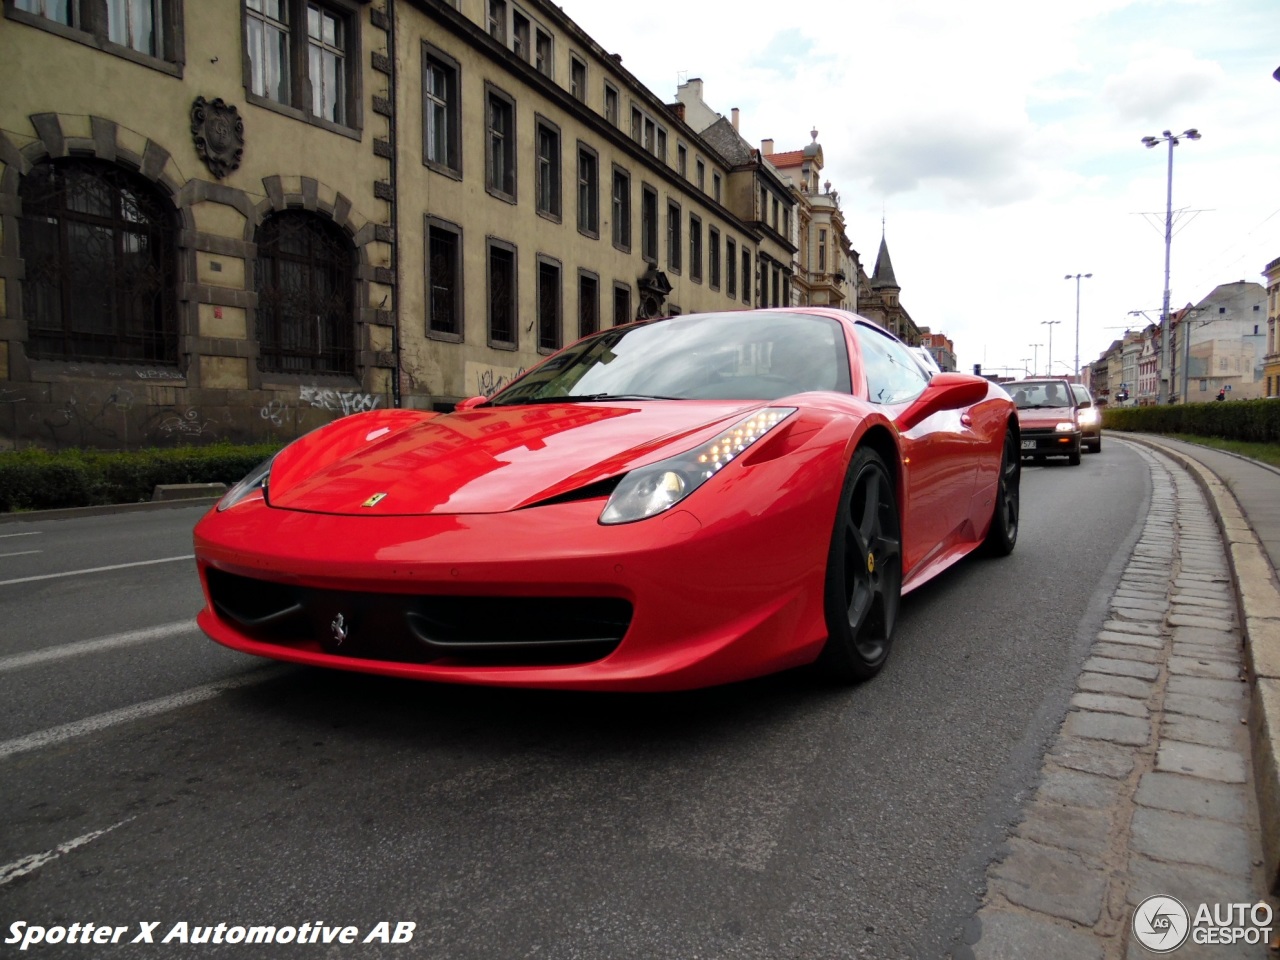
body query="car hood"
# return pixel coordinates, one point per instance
(492, 459)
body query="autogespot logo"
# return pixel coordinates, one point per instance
(1161, 924)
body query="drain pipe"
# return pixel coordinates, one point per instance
(395, 202)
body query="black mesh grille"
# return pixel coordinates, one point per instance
(411, 628)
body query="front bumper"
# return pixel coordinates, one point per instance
(706, 601)
(1049, 443)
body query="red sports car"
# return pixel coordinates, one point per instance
(664, 505)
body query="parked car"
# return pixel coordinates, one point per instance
(663, 505)
(1090, 418)
(1048, 418)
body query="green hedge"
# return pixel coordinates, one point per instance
(39, 480)
(1252, 421)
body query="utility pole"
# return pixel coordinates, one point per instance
(1049, 323)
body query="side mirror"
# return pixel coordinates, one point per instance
(946, 391)
(469, 404)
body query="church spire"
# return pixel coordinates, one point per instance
(883, 275)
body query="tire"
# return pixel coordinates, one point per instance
(1097, 446)
(1073, 458)
(1002, 535)
(864, 573)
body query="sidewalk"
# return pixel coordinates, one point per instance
(1166, 764)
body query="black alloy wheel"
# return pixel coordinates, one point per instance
(1003, 532)
(864, 573)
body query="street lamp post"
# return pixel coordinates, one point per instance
(1035, 360)
(1077, 277)
(1024, 361)
(1049, 323)
(1162, 393)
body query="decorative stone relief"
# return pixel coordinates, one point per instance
(218, 131)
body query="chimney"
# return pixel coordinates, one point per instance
(735, 118)
(766, 146)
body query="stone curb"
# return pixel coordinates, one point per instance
(1258, 602)
(70, 513)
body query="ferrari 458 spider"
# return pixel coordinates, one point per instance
(665, 505)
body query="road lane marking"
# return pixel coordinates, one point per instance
(20, 553)
(150, 708)
(26, 533)
(114, 566)
(20, 868)
(17, 661)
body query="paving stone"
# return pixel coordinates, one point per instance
(1191, 884)
(1194, 705)
(1192, 795)
(1210, 638)
(1106, 683)
(1132, 639)
(1130, 603)
(1077, 828)
(1078, 789)
(1108, 726)
(1110, 704)
(1122, 668)
(1127, 651)
(1208, 603)
(1232, 691)
(1198, 651)
(1093, 756)
(1056, 882)
(1216, 582)
(1138, 615)
(1224, 618)
(1191, 667)
(1211, 763)
(1006, 935)
(1126, 626)
(1207, 733)
(1183, 620)
(1152, 592)
(1178, 838)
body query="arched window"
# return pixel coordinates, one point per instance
(306, 291)
(99, 249)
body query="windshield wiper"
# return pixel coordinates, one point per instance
(587, 398)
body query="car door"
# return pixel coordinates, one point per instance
(939, 453)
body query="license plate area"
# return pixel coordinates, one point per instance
(1028, 444)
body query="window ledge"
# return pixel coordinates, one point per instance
(172, 68)
(283, 108)
(444, 336)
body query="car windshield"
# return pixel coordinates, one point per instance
(760, 355)
(1031, 395)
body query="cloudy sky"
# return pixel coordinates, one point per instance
(1002, 140)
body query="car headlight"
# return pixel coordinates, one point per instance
(256, 480)
(650, 490)
(1088, 416)
(1065, 427)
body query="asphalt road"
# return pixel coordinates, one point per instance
(153, 776)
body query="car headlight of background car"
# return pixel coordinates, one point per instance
(1088, 416)
(256, 480)
(1066, 426)
(660, 486)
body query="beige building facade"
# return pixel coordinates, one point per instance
(1271, 357)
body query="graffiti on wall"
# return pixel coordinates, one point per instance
(338, 401)
(489, 380)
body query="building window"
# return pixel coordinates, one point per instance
(746, 276)
(543, 59)
(775, 301)
(502, 293)
(621, 303)
(444, 278)
(675, 244)
(682, 160)
(649, 223)
(305, 275)
(588, 303)
(730, 267)
(775, 213)
(661, 151)
(588, 191)
(695, 249)
(300, 54)
(548, 304)
(147, 27)
(822, 251)
(701, 169)
(548, 169)
(611, 104)
(520, 35)
(713, 257)
(99, 248)
(500, 159)
(621, 209)
(577, 79)
(715, 186)
(498, 20)
(441, 112)
(786, 222)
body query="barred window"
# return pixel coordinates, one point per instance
(99, 249)
(300, 54)
(305, 276)
(444, 277)
(549, 304)
(502, 293)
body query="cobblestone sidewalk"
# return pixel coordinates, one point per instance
(1148, 788)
